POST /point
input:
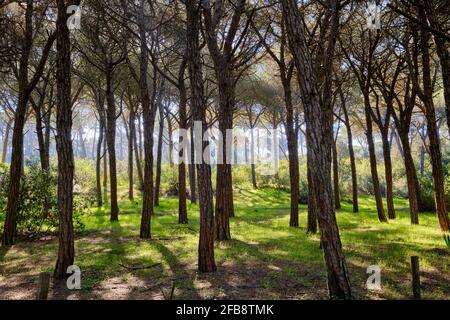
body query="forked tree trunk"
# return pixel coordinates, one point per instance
(66, 250)
(319, 149)
(373, 162)
(206, 262)
(433, 131)
(443, 54)
(25, 89)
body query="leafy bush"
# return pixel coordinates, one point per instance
(38, 200)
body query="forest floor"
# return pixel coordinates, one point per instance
(265, 260)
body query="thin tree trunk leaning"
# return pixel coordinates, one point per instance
(352, 155)
(206, 262)
(319, 149)
(66, 250)
(159, 155)
(182, 206)
(26, 86)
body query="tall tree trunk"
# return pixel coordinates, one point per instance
(182, 206)
(433, 131)
(224, 186)
(294, 171)
(352, 156)
(111, 120)
(388, 174)
(192, 174)
(98, 164)
(206, 261)
(159, 155)
(443, 54)
(319, 149)
(138, 161)
(411, 178)
(149, 113)
(131, 139)
(43, 151)
(105, 168)
(373, 161)
(25, 89)
(66, 250)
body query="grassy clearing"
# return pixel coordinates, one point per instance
(265, 259)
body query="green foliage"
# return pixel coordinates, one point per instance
(447, 239)
(38, 210)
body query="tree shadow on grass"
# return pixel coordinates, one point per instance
(184, 278)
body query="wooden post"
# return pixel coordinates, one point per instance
(43, 286)
(415, 270)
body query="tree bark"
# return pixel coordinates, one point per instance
(159, 155)
(192, 173)
(433, 131)
(352, 156)
(206, 262)
(149, 109)
(373, 161)
(111, 119)
(131, 139)
(388, 174)
(26, 86)
(182, 206)
(443, 54)
(66, 250)
(319, 149)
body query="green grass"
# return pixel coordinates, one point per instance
(265, 259)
